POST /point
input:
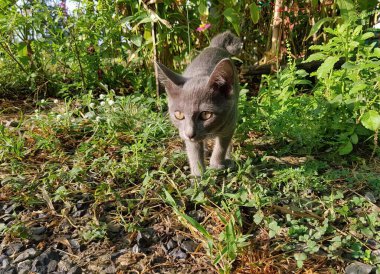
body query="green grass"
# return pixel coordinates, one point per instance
(120, 155)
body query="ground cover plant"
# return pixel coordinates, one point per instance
(94, 179)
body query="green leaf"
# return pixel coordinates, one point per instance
(170, 199)
(300, 258)
(258, 217)
(318, 25)
(136, 40)
(367, 35)
(315, 57)
(376, 52)
(274, 229)
(22, 50)
(345, 148)
(347, 9)
(354, 138)
(233, 18)
(255, 13)
(326, 67)
(358, 86)
(371, 120)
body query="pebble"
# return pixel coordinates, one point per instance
(197, 215)
(24, 267)
(10, 271)
(146, 238)
(358, 268)
(370, 197)
(189, 246)
(74, 244)
(177, 253)
(75, 270)
(171, 244)
(29, 253)
(110, 269)
(64, 266)
(38, 230)
(13, 248)
(52, 266)
(4, 261)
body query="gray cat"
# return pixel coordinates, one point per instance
(203, 101)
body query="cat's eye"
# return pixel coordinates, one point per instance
(205, 115)
(179, 115)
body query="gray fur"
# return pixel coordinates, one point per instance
(208, 84)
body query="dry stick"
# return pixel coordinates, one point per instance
(155, 67)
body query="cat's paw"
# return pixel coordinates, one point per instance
(225, 164)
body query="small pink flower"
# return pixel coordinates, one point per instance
(203, 27)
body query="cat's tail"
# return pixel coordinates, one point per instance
(228, 41)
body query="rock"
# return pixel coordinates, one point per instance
(10, 209)
(136, 249)
(13, 248)
(110, 269)
(64, 266)
(75, 270)
(74, 244)
(358, 268)
(40, 263)
(178, 238)
(24, 267)
(29, 253)
(370, 197)
(189, 246)
(375, 256)
(146, 238)
(177, 253)
(10, 271)
(198, 215)
(171, 245)
(4, 261)
(52, 266)
(38, 230)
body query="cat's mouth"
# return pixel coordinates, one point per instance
(193, 139)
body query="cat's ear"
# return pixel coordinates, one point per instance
(171, 80)
(222, 78)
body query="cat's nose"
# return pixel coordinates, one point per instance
(190, 134)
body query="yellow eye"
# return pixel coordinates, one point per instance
(179, 115)
(205, 115)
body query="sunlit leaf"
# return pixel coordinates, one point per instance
(318, 25)
(326, 67)
(371, 120)
(233, 18)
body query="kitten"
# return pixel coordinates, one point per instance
(203, 101)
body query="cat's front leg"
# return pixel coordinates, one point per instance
(221, 153)
(195, 154)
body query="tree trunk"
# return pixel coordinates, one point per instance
(276, 28)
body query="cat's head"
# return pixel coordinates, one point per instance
(201, 106)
